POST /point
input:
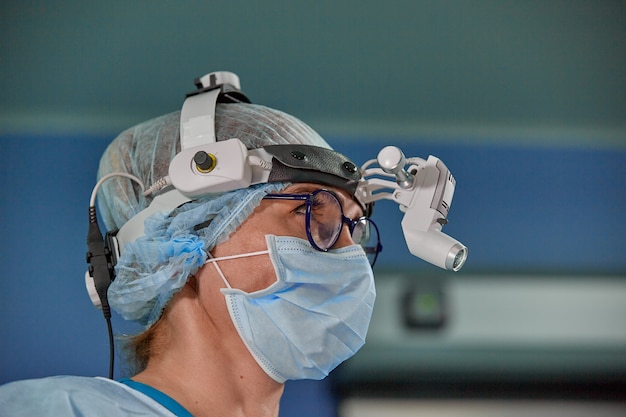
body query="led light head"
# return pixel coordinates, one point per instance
(423, 189)
(456, 257)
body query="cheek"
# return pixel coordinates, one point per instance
(290, 224)
(260, 274)
(251, 273)
(255, 273)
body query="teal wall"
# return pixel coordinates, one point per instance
(501, 70)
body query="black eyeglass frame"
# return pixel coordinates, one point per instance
(308, 198)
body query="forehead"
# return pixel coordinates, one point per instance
(350, 206)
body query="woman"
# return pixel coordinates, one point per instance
(235, 291)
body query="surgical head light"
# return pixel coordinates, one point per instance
(423, 189)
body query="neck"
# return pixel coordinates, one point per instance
(205, 366)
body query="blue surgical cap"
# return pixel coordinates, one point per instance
(157, 265)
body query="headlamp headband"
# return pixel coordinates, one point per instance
(205, 165)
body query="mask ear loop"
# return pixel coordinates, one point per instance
(225, 258)
(217, 267)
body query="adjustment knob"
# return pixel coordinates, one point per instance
(205, 162)
(392, 161)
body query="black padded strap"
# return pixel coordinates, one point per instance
(306, 163)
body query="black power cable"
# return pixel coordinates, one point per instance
(101, 260)
(102, 272)
(111, 344)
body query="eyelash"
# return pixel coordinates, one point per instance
(301, 209)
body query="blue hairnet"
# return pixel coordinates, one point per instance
(155, 266)
(146, 150)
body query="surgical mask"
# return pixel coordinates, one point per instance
(313, 317)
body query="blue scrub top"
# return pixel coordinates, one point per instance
(84, 396)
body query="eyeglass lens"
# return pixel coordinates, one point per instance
(325, 221)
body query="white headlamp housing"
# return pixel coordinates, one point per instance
(424, 191)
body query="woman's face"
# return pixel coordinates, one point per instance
(275, 217)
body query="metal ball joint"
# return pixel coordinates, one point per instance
(205, 162)
(392, 161)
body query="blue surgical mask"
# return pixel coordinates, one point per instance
(313, 317)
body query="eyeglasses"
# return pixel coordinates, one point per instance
(325, 219)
